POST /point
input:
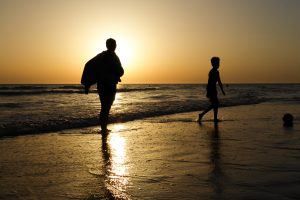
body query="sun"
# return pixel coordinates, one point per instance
(124, 51)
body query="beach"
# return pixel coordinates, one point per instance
(248, 155)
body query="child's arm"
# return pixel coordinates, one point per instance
(221, 85)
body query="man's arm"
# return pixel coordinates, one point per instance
(119, 69)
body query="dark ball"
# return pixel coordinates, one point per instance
(288, 119)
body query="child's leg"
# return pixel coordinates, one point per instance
(216, 113)
(205, 111)
(216, 108)
(211, 106)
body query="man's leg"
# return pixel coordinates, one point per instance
(107, 99)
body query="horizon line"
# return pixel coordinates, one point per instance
(153, 83)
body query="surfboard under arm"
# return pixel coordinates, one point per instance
(89, 75)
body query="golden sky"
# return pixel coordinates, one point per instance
(159, 41)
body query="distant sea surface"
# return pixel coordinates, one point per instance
(33, 109)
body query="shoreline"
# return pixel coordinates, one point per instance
(10, 133)
(249, 155)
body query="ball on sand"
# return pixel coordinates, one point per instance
(288, 119)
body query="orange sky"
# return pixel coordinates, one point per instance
(159, 41)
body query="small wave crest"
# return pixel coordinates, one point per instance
(17, 90)
(136, 89)
(10, 105)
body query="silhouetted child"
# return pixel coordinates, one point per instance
(211, 89)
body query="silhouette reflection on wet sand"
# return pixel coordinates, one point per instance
(214, 157)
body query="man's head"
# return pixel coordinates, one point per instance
(215, 62)
(111, 44)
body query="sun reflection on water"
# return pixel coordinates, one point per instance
(114, 152)
(118, 154)
(118, 100)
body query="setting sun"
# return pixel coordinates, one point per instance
(125, 52)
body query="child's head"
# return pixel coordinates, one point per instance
(215, 62)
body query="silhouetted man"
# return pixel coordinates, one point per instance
(211, 89)
(105, 69)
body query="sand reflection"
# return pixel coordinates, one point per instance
(215, 159)
(215, 156)
(115, 167)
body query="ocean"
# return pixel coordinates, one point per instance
(34, 109)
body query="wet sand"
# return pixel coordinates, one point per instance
(249, 155)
